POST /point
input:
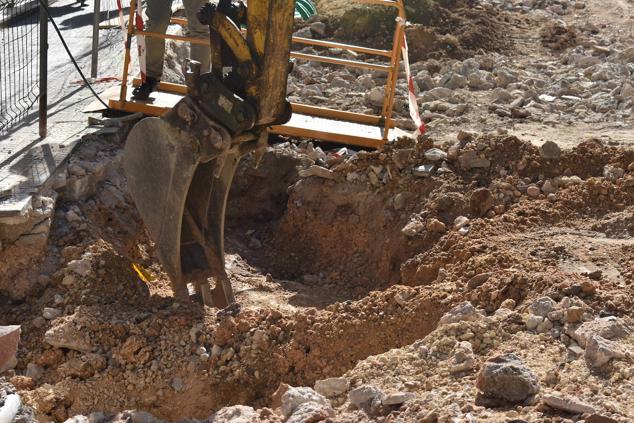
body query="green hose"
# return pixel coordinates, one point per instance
(304, 9)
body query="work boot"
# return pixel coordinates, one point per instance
(142, 92)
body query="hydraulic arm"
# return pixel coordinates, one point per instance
(180, 166)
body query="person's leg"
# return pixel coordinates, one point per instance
(200, 53)
(159, 13)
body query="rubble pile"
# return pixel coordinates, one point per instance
(477, 273)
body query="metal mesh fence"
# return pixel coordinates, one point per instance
(19, 60)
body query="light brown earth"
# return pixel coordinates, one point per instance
(349, 276)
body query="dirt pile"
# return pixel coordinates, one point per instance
(385, 285)
(120, 343)
(438, 28)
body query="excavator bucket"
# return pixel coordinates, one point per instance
(180, 166)
(182, 203)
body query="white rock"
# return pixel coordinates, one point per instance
(569, 404)
(413, 228)
(460, 222)
(547, 98)
(311, 412)
(533, 321)
(435, 154)
(366, 81)
(139, 416)
(50, 313)
(439, 93)
(82, 267)
(234, 414)
(332, 387)
(96, 417)
(10, 408)
(542, 306)
(296, 396)
(613, 172)
(462, 312)
(453, 81)
(600, 351)
(481, 80)
(607, 327)
(544, 326)
(398, 398)
(318, 171)
(423, 171)
(366, 396)
(462, 358)
(583, 61)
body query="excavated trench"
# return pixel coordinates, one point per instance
(328, 271)
(311, 260)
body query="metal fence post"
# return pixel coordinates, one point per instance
(43, 105)
(95, 39)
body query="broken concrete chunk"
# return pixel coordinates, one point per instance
(462, 312)
(600, 351)
(542, 306)
(607, 327)
(50, 313)
(398, 398)
(82, 267)
(296, 396)
(567, 404)
(9, 339)
(413, 228)
(460, 222)
(66, 335)
(332, 387)
(311, 412)
(423, 171)
(318, 171)
(463, 358)
(233, 414)
(366, 397)
(506, 377)
(435, 154)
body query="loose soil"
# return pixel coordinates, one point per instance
(348, 275)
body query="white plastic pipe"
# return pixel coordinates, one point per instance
(10, 408)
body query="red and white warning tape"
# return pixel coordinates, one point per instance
(413, 106)
(122, 21)
(140, 39)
